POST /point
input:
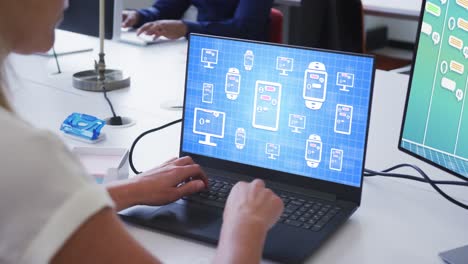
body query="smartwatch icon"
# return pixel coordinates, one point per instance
(248, 60)
(240, 138)
(315, 85)
(313, 151)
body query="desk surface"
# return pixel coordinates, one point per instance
(398, 221)
(398, 8)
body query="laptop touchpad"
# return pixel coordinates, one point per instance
(192, 220)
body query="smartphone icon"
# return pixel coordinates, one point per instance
(343, 119)
(207, 93)
(267, 104)
(336, 159)
(232, 87)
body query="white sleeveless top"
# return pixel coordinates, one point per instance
(45, 194)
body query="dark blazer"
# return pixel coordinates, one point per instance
(331, 24)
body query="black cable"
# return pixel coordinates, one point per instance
(108, 101)
(56, 60)
(427, 179)
(132, 148)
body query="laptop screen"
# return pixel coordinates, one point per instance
(295, 110)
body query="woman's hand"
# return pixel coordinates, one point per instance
(251, 210)
(171, 181)
(130, 18)
(252, 203)
(167, 183)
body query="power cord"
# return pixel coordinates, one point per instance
(115, 120)
(132, 148)
(426, 179)
(56, 60)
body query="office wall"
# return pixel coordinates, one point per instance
(135, 4)
(398, 29)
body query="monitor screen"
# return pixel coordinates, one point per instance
(435, 126)
(267, 120)
(82, 16)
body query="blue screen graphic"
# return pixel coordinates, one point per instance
(270, 123)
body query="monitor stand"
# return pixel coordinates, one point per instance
(173, 105)
(455, 256)
(207, 141)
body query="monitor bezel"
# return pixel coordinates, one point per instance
(340, 191)
(408, 92)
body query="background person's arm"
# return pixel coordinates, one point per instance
(163, 9)
(250, 21)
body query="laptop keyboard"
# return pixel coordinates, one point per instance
(301, 213)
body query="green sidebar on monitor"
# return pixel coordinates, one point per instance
(435, 123)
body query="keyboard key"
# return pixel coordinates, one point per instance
(292, 222)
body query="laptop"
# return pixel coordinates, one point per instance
(295, 117)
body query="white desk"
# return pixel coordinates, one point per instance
(398, 222)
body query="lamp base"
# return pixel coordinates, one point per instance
(89, 80)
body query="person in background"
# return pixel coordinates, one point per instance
(52, 212)
(247, 19)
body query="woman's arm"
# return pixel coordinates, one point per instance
(103, 239)
(163, 9)
(250, 20)
(251, 210)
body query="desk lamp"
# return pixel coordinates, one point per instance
(100, 79)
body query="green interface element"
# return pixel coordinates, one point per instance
(436, 124)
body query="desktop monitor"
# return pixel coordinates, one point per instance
(284, 65)
(435, 124)
(345, 80)
(272, 150)
(297, 122)
(209, 123)
(82, 16)
(209, 57)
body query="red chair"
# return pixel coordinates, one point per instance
(276, 26)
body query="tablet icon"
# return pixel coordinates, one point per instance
(343, 119)
(207, 93)
(313, 151)
(267, 105)
(336, 159)
(232, 87)
(315, 85)
(209, 57)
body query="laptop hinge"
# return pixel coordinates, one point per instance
(301, 191)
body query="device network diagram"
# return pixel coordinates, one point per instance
(266, 107)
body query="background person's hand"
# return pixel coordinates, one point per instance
(171, 181)
(252, 203)
(130, 18)
(171, 29)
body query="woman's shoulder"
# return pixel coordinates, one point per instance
(17, 133)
